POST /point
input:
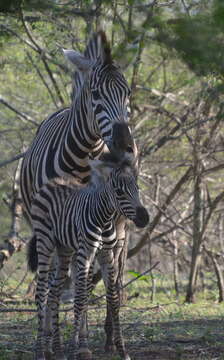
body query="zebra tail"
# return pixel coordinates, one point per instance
(32, 256)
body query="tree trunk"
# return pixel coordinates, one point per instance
(197, 220)
(195, 261)
(175, 266)
(218, 273)
(219, 276)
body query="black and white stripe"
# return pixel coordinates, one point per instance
(97, 119)
(65, 140)
(79, 221)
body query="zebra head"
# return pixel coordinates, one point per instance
(124, 182)
(109, 93)
(122, 179)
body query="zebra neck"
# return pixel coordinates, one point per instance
(80, 137)
(102, 205)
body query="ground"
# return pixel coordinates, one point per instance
(163, 330)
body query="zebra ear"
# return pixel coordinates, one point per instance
(128, 166)
(82, 63)
(106, 57)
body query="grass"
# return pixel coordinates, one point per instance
(166, 329)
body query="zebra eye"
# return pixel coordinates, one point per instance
(119, 192)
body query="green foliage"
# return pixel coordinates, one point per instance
(10, 5)
(198, 40)
(136, 274)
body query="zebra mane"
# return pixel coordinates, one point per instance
(112, 161)
(112, 158)
(69, 181)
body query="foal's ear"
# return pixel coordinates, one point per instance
(79, 60)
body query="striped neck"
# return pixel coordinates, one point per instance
(102, 205)
(80, 136)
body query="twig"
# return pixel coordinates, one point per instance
(43, 58)
(128, 283)
(16, 157)
(92, 302)
(140, 275)
(19, 113)
(42, 78)
(20, 283)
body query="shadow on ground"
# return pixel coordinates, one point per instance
(179, 340)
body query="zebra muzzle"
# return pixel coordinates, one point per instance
(142, 217)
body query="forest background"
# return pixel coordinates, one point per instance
(172, 54)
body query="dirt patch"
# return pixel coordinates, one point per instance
(185, 340)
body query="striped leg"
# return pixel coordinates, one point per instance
(44, 259)
(84, 263)
(84, 352)
(48, 314)
(119, 251)
(113, 303)
(64, 259)
(108, 326)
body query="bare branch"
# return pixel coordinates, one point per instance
(54, 82)
(42, 78)
(22, 115)
(143, 240)
(14, 158)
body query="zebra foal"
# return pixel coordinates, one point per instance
(79, 221)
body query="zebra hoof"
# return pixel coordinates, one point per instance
(84, 354)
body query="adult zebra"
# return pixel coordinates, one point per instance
(64, 142)
(98, 116)
(73, 220)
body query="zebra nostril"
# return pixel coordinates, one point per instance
(142, 217)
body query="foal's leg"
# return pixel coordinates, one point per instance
(85, 259)
(44, 259)
(119, 252)
(48, 314)
(113, 302)
(64, 258)
(84, 352)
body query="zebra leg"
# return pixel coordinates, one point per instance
(41, 299)
(108, 325)
(120, 252)
(48, 314)
(80, 305)
(114, 303)
(83, 353)
(56, 289)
